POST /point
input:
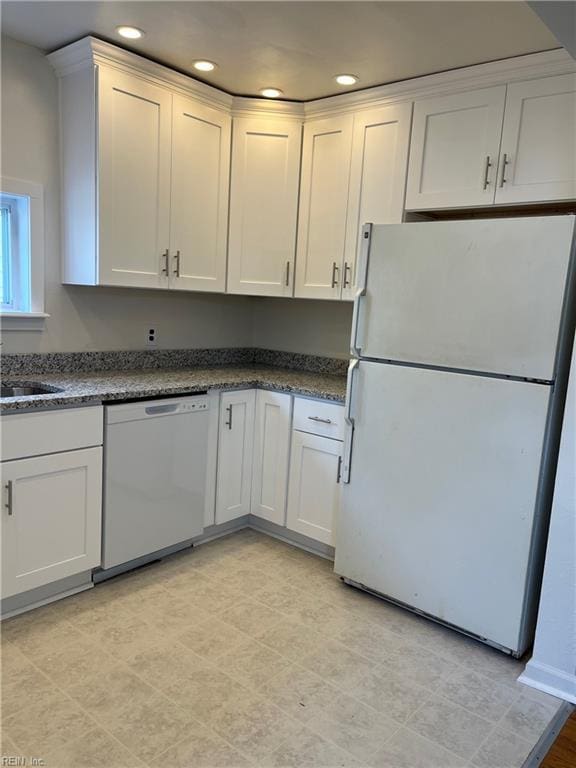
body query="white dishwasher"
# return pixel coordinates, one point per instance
(154, 477)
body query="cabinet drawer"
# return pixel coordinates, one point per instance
(319, 418)
(36, 434)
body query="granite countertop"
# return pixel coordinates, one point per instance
(105, 386)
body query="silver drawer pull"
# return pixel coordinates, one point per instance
(9, 502)
(317, 418)
(228, 422)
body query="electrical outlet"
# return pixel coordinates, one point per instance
(151, 336)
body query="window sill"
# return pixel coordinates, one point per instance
(23, 321)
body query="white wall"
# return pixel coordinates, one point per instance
(302, 325)
(552, 667)
(92, 318)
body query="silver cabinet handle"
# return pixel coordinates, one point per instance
(347, 271)
(287, 273)
(335, 270)
(229, 420)
(505, 162)
(487, 172)
(9, 500)
(362, 274)
(339, 470)
(177, 257)
(166, 256)
(317, 418)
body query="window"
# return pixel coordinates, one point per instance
(22, 256)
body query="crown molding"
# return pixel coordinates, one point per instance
(531, 66)
(91, 51)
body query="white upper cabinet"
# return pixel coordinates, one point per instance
(134, 130)
(454, 149)
(326, 155)
(264, 206)
(538, 153)
(377, 177)
(199, 200)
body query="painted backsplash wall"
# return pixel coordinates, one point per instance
(99, 319)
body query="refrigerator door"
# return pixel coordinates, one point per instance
(441, 501)
(482, 295)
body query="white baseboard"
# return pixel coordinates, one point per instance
(550, 680)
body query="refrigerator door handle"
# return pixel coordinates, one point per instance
(347, 451)
(361, 289)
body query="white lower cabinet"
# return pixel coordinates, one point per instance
(51, 518)
(235, 441)
(271, 455)
(314, 487)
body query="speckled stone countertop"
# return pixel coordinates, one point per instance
(106, 386)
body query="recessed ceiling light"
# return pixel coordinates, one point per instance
(346, 79)
(204, 66)
(271, 93)
(132, 33)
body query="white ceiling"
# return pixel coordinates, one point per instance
(295, 46)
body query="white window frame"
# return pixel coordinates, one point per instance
(32, 319)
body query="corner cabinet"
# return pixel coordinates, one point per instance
(235, 442)
(145, 175)
(264, 205)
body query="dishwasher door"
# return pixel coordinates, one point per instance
(154, 476)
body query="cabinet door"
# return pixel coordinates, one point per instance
(538, 154)
(134, 125)
(454, 150)
(199, 211)
(264, 206)
(271, 455)
(323, 204)
(314, 489)
(377, 177)
(51, 518)
(235, 440)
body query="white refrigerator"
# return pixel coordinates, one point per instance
(460, 337)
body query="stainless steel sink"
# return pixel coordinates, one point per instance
(24, 389)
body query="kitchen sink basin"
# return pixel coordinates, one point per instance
(24, 389)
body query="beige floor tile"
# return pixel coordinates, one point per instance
(150, 726)
(368, 639)
(204, 749)
(300, 692)
(252, 663)
(527, 718)
(208, 694)
(543, 698)
(284, 598)
(417, 665)
(256, 729)
(95, 749)
(251, 617)
(35, 634)
(23, 685)
(309, 750)
(478, 694)
(450, 726)
(407, 749)
(502, 749)
(42, 726)
(353, 726)
(171, 612)
(162, 664)
(212, 638)
(324, 617)
(123, 635)
(70, 665)
(243, 578)
(106, 695)
(292, 639)
(338, 665)
(390, 693)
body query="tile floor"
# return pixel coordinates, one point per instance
(248, 652)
